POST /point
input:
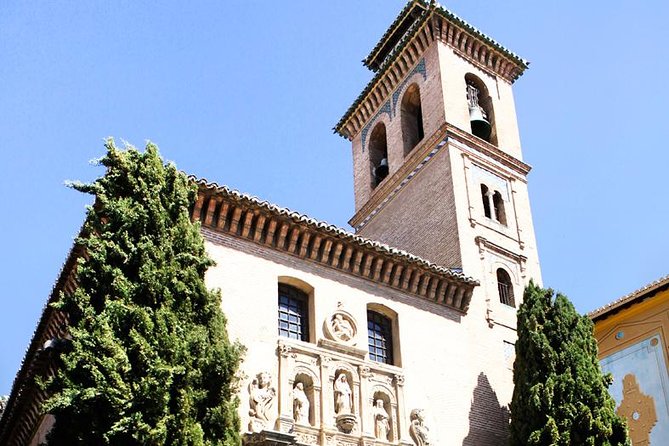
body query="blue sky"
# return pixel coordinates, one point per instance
(246, 93)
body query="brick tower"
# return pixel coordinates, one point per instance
(438, 168)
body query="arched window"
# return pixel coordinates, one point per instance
(481, 113)
(412, 118)
(505, 288)
(486, 200)
(378, 154)
(498, 204)
(293, 313)
(379, 337)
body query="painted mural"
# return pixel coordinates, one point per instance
(641, 389)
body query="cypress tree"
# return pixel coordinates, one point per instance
(149, 361)
(560, 395)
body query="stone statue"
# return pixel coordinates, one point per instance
(418, 430)
(343, 395)
(342, 328)
(300, 405)
(381, 421)
(261, 399)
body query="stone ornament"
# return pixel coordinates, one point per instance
(420, 433)
(638, 409)
(300, 405)
(343, 402)
(261, 400)
(381, 421)
(342, 395)
(340, 327)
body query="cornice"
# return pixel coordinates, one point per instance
(436, 23)
(230, 212)
(419, 157)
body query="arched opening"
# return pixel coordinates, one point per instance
(343, 392)
(481, 113)
(498, 204)
(304, 411)
(379, 337)
(293, 317)
(412, 118)
(382, 415)
(505, 288)
(486, 200)
(378, 154)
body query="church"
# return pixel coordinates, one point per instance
(402, 331)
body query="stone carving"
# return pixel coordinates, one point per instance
(343, 399)
(638, 409)
(261, 399)
(343, 395)
(418, 430)
(340, 327)
(381, 421)
(306, 438)
(300, 405)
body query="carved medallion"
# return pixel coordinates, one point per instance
(340, 327)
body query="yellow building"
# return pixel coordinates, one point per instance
(632, 334)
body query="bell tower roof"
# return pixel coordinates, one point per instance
(416, 26)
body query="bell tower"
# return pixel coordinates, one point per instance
(438, 168)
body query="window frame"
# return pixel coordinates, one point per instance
(380, 341)
(297, 313)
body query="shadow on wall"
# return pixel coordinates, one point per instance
(488, 421)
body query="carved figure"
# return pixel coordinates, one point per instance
(261, 398)
(420, 433)
(381, 421)
(342, 328)
(300, 405)
(342, 395)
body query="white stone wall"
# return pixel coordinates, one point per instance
(448, 360)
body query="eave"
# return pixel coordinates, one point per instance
(229, 212)
(436, 23)
(643, 293)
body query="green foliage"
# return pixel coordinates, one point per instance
(560, 395)
(149, 362)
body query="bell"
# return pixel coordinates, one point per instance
(381, 171)
(480, 125)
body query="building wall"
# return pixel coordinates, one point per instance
(454, 366)
(633, 348)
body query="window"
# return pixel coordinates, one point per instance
(486, 201)
(293, 314)
(379, 337)
(498, 204)
(412, 118)
(505, 288)
(481, 114)
(493, 204)
(378, 154)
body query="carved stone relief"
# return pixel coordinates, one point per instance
(341, 327)
(343, 403)
(638, 409)
(420, 433)
(300, 405)
(261, 401)
(381, 421)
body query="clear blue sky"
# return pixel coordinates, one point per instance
(246, 93)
